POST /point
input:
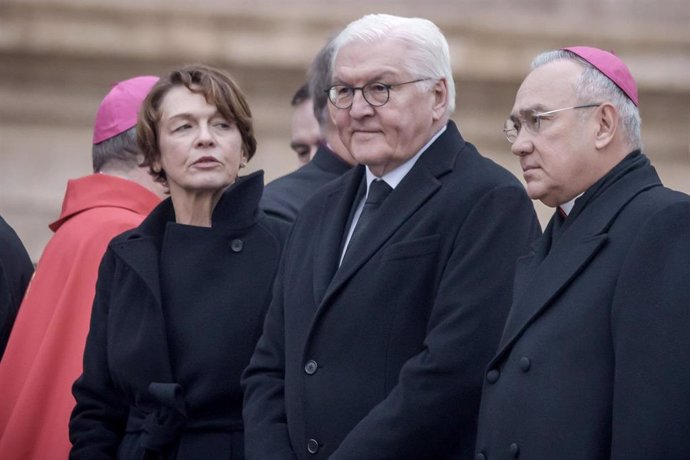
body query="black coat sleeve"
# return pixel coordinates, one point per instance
(266, 433)
(98, 420)
(651, 331)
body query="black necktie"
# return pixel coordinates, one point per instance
(378, 191)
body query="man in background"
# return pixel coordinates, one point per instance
(15, 273)
(285, 196)
(44, 354)
(305, 134)
(594, 362)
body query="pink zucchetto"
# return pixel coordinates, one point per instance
(610, 65)
(120, 107)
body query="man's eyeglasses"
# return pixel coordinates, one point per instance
(532, 121)
(376, 93)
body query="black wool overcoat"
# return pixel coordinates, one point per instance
(383, 357)
(164, 382)
(594, 362)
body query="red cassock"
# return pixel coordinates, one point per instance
(44, 352)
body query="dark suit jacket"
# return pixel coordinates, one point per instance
(594, 362)
(167, 379)
(383, 357)
(285, 196)
(16, 270)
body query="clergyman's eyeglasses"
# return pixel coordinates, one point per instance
(532, 121)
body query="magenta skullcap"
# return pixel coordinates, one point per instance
(610, 65)
(120, 107)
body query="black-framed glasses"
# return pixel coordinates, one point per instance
(532, 121)
(375, 93)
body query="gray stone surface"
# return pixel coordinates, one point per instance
(58, 58)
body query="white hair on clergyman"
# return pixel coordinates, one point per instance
(119, 152)
(594, 86)
(427, 53)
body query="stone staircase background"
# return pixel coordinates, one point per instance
(59, 58)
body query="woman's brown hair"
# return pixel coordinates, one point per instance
(218, 88)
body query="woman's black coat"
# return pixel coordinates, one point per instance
(177, 313)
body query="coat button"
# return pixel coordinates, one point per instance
(514, 450)
(236, 245)
(310, 367)
(525, 363)
(493, 375)
(480, 456)
(312, 446)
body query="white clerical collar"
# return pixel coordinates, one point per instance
(567, 207)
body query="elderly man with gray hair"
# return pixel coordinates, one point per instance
(397, 276)
(594, 362)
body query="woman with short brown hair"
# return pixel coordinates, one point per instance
(180, 300)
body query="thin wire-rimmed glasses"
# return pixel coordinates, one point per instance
(532, 121)
(375, 93)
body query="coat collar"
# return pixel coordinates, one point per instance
(413, 191)
(327, 160)
(236, 211)
(548, 269)
(140, 250)
(104, 190)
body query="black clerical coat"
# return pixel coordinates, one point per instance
(383, 357)
(594, 362)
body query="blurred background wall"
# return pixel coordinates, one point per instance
(58, 59)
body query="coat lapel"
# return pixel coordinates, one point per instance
(141, 249)
(413, 191)
(397, 208)
(540, 277)
(330, 231)
(528, 264)
(541, 282)
(140, 253)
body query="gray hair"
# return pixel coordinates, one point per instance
(427, 55)
(319, 76)
(119, 152)
(594, 86)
